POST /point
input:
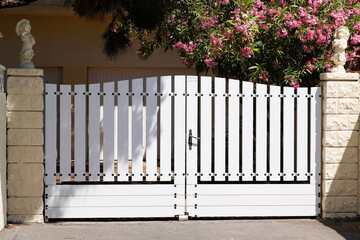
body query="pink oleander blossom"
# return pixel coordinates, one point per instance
(355, 40)
(210, 63)
(246, 52)
(282, 33)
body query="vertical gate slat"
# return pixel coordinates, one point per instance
(108, 140)
(288, 135)
(315, 139)
(302, 134)
(50, 133)
(275, 133)
(205, 124)
(165, 128)
(234, 131)
(94, 132)
(80, 132)
(65, 133)
(219, 129)
(123, 131)
(192, 124)
(179, 131)
(137, 130)
(261, 132)
(151, 129)
(247, 131)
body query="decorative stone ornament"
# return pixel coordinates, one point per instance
(23, 29)
(342, 35)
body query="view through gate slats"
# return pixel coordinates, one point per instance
(182, 145)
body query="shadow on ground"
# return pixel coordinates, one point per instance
(349, 228)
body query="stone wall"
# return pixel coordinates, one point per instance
(3, 196)
(340, 143)
(25, 145)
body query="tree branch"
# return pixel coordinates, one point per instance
(14, 3)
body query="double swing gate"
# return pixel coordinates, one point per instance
(181, 146)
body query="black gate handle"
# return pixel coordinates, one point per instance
(190, 139)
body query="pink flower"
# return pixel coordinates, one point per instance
(224, 2)
(272, 12)
(355, 39)
(357, 26)
(303, 13)
(294, 84)
(283, 33)
(210, 63)
(246, 52)
(294, 24)
(310, 35)
(310, 67)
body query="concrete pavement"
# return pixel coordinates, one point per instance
(194, 229)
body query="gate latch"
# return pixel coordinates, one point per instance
(190, 139)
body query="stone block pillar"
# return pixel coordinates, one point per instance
(25, 145)
(340, 145)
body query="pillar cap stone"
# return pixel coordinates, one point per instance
(339, 76)
(25, 72)
(2, 68)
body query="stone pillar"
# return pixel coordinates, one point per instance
(3, 201)
(25, 145)
(340, 144)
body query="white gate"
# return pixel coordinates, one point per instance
(174, 146)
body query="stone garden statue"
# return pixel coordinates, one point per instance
(23, 29)
(342, 35)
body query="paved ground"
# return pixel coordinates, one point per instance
(200, 229)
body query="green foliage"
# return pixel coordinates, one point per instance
(282, 42)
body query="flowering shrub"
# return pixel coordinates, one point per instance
(283, 42)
